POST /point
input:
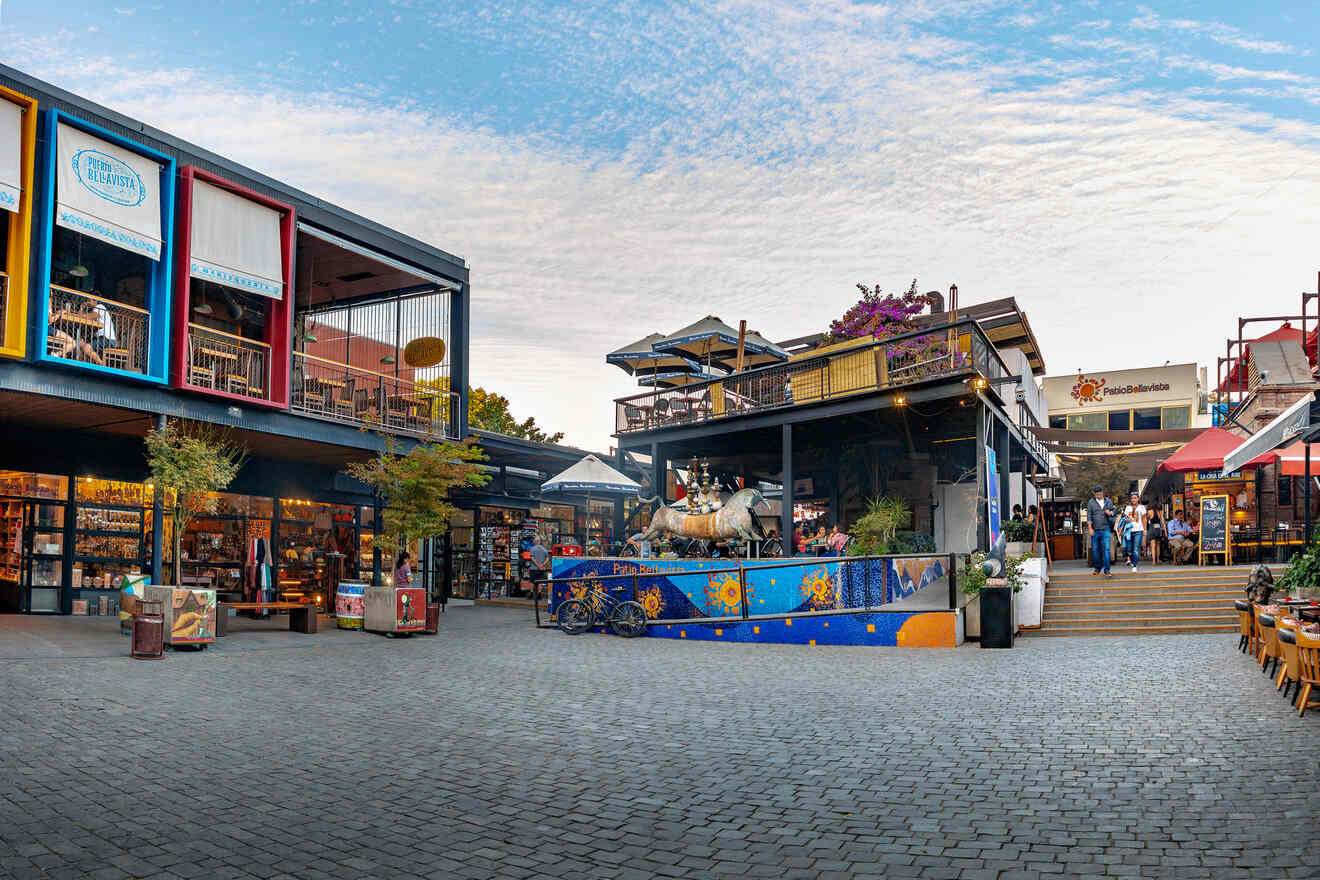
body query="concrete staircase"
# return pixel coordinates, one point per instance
(1160, 599)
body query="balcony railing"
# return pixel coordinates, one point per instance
(226, 362)
(355, 396)
(937, 352)
(4, 303)
(95, 330)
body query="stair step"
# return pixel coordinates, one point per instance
(1129, 631)
(1139, 620)
(1154, 595)
(1112, 601)
(1144, 609)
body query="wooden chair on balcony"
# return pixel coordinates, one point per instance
(345, 401)
(201, 377)
(116, 358)
(636, 418)
(236, 384)
(312, 399)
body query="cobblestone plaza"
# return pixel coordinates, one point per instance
(496, 750)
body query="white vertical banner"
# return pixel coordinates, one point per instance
(11, 155)
(107, 192)
(235, 242)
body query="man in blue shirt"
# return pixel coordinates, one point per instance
(1100, 525)
(1181, 544)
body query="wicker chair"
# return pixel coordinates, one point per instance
(1290, 674)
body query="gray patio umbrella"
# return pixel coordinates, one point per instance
(674, 380)
(715, 343)
(640, 357)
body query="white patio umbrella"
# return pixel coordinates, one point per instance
(591, 475)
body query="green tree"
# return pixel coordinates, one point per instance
(490, 412)
(1107, 471)
(875, 532)
(415, 487)
(189, 461)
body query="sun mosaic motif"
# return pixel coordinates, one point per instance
(652, 602)
(724, 594)
(818, 589)
(1088, 390)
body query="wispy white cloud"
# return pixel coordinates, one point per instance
(1223, 34)
(803, 150)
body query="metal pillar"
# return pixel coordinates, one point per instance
(786, 498)
(459, 326)
(158, 524)
(620, 521)
(982, 484)
(659, 474)
(1002, 452)
(1308, 494)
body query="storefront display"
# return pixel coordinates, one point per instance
(110, 535)
(462, 555)
(318, 545)
(498, 555)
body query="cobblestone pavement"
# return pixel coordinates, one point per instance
(494, 750)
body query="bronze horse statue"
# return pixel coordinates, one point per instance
(733, 521)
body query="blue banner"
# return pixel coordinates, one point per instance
(992, 492)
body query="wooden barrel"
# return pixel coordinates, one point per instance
(348, 604)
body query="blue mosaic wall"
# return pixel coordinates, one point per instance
(681, 589)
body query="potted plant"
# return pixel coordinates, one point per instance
(1017, 535)
(972, 579)
(1302, 576)
(875, 532)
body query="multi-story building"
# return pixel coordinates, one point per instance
(145, 278)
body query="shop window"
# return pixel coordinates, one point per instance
(1092, 421)
(319, 545)
(1176, 417)
(1147, 419)
(1120, 420)
(1058, 421)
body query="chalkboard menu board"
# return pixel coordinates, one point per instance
(1214, 526)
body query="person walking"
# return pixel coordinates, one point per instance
(1135, 513)
(1100, 526)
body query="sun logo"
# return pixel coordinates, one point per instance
(581, 589)
(652, 602)
(724, 594)
(1088, 390)
(818, 590)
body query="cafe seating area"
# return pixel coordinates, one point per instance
(1283, 639)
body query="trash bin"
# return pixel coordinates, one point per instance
(148, 642)
(432, 618)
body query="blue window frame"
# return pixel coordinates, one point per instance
(153, 309)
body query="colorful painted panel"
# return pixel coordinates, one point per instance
(930, 629)
(683, 589)
(905, 577)
(189, 614)
(409, 604)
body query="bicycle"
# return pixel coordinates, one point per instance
(576, 616)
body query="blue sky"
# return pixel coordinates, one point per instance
(1136, 174)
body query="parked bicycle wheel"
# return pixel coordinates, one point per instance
(628, 620)
(772, 547)
(575, 616)
(630, 549)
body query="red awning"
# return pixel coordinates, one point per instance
(1292, 460)
(1207, 451)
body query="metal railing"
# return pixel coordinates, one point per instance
(356, 396)
(864, 585)
(4, 302)
(95, 330)
(935, 352)
(226, 362)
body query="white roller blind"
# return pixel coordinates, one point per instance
(107, 192)
(11, 155)
(235, 242)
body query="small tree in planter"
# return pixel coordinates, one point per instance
(971, 578)
(874, 533)
(188, 462)
(1302, 576)
(415, 487)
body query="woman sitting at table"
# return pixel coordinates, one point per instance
(99, 316)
